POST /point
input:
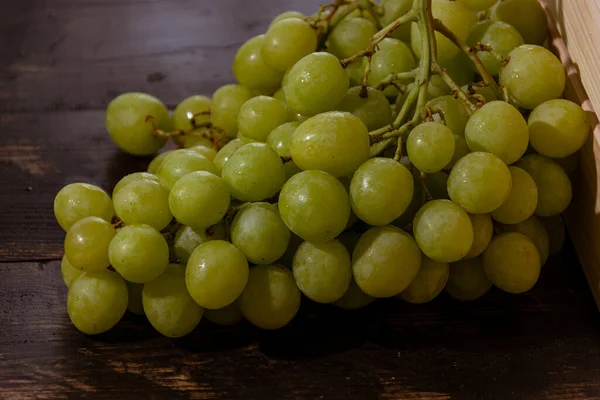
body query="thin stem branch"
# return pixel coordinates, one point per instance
(456, 90)
(391, 78)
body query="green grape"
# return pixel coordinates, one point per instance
(286, 15)
(512, 263)
(228, 315)
(314, 205)
(521, 201)
(553, 184)
(555, 227)
(479, 182)
(393, 56)
(250, 69)
(354, 298)
(185, 116)
(97, 301)
(199, 199)
(207, 152)
(216, 274)
(527, 16)
(139, 253)
(535, 231)
(454, 113)
(136, 176)
(392, 10)
(356, 72)
(157, 162)
(280, 138)
(187, 239)
(532, 76)
(430, 146)
(502, 37)
(443, 231)
(143, 202)
(69, 273)
(335, 142)
(254, 172)
(381, 191)
(226, 152)
(287, 41)
(500, 129)
(260, 115)
(168, 305)
(437, 185)
(460, 69)
(271, 298)
(485, 91)
(180, 163)
(569, 163)
(134, 298)
(350, 36)
(461, 149)
(467, 280)
(315, 84)
(558, 128)
(258, 231)
(226, 103)
(374, 110)
(483, 230)
(477, 5)
(245, 139)
(79, 200)
(193, 139)
(86, 244)
(456, 17)
(130, 128)
(385, 261)
(429, 282)
(322, 271)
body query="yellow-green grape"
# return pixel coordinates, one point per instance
(314, 205)
(553, 184)
(322, 271)
(250, 69)
(189, 114)
(350, 36)
(532, 76)
(68, 272)
(479, 182)
(226, 103)
(134, 298)
(207, 152)
(226, 152)
(315, 84)
(535, 231)
(437, 185)
(216, 274)
(429, 282)
(260, 115)
(430, 146)
(512, 263)
(79, 200)
(443, 231)
(258, 231)
(528, 16)
(483, 230)
(522, 200)
(180, 163)
(228, 315)
(461, 149)
(187, 239)
(356, 72)
(354, 298)
(86, 244)
(157, 161)
(555, 227)
(129, 125)
(335, 142)
(254, 172)
(454, 113)
(569, 163)
(97, 301)
(286, 15)
(271, 298)
(143, 202)
(500, 129)
(502, 38)
(460, 70)
(286, 42)
(392, 56)
(392, 10)
(380, 191)
(558, 128)
(280, 138)
(374, 110)
(136, 176)
(385, 261)
(168, 305)
(467, 280)
(193, 140)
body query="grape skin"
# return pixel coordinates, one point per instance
(226, 103)
(226, 316)
(483, 230)
(286, 42)
(79, 200)
(522, 200)
(535, 231)
(527, 16)
(374, 110)
(136, 176)
(184, 116)
(180, 163)
(226, 152)
(454, 112)
(250, 69)
(467, 280)
(502, 37)
(143, 202)
(392, 56)
(280, 138)
(430, 146)
(86, 244)
(350, 36)
(68, 272)
(354, 298)
(429, 282)
(260, 115)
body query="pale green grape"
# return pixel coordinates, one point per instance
(254, 172)
(483, 230)
(380, 191)
(187, 239)
(315, 84)
(479, 182)
(79, 200)
(354, 298)
(258, 231)
(286, 42)
(168, 305)
(555, 227)
(429, 282)
(500, 129)
(226, 103)
(250, 69)
(467, 280)
(533, 76)
(86, 244)
(157, 161)
(226, 152)
(245, 139)
(460, 69)
(228, 315)
(356, 72)
(437, 185)
(430, 146)
(184, 116)
(260, 115)
(502, 37)
(374, 110)
(535, 231)
(569, 163)
(180, 163)
(461, 149)
(216, 274)
(143, 202)
(207, 152)
(68, 272)
(454, 113)
(286, 15)
(443, 231)
(477, 5)
(130, 128)
(334, 142)
(136, 176)
(350, 36)
(280, 138)
(134, 298)
(392, 10)
(393, 56)
(314, 205)
(512, 263)
(97, 301)
(527, 16)
(193, 139)
(385, 261)
(521, 201)
(139, 253)
(553, 184)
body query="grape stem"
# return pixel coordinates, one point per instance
(456, 90)
(390, 79)
(489, 49)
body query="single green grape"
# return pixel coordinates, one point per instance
(535, 231)
(136, 176)
(467, 280)
(191, 112)
(143, 202)
(226, 152)
(356, 72)
(208, 152)
(453, 111)
(250, 69)
(68, 272)
(392, 56)
(168, 305)
(79, 200)
(373, 110)
(555, 227)
(392, 10)
(260, 115)
(569, 163)
(86, 244)
(461, 149)
(226, 103)
(157, 162)
(287, 41)
(97, 301)
(354, 298)
(134, 298)
(437, 185)
(522, 200)
(430, 146)
(350, 36)
(483, 230)
(228, 315)
(187, 239)
(280, 138)
(180, 163)
(527, 16)
(286, 15)
(429, 282)
(502, 37)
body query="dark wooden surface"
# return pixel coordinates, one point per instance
(60, 63)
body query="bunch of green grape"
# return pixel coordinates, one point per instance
(275, 193)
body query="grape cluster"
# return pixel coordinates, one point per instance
(352, 160)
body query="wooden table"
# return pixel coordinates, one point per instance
(61, 61)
